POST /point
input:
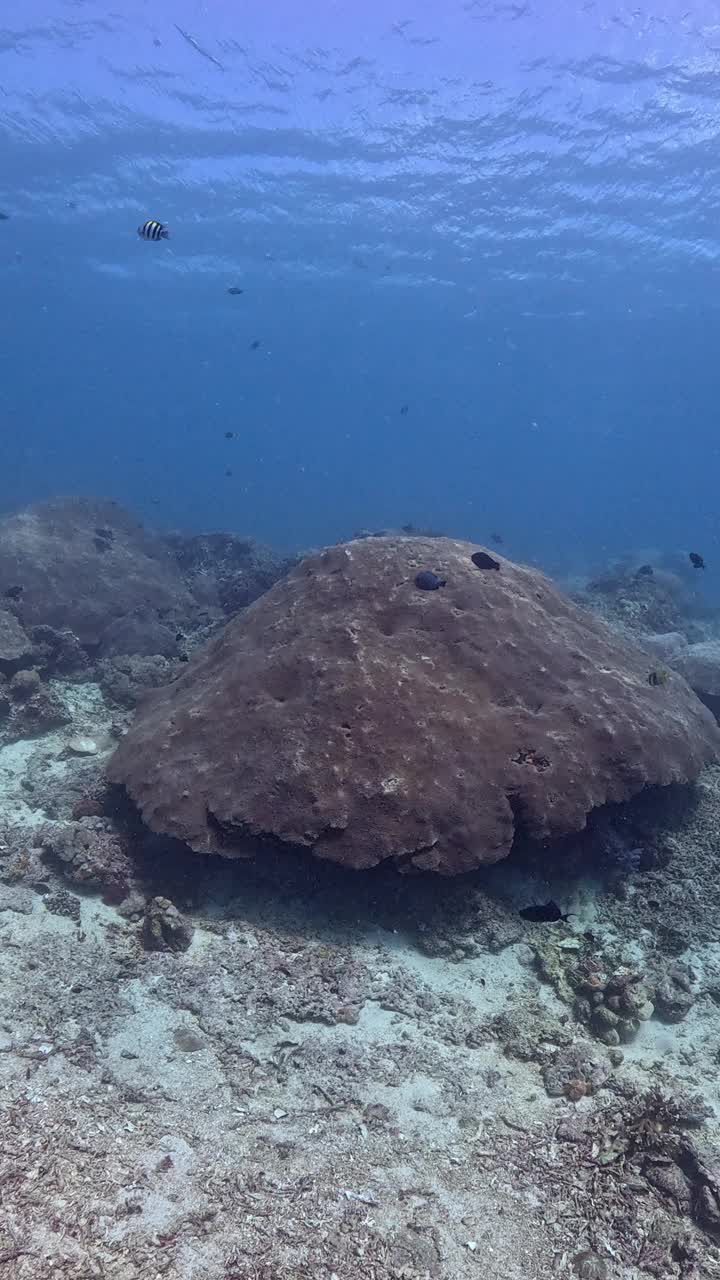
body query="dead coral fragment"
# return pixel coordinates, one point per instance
(164, 929)
(576, 1071)
(648, 1125)
(588, 1266)
(32, 708)
(674, 996)
(92, 856)
(24, 685)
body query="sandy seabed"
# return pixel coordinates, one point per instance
(348, 1077)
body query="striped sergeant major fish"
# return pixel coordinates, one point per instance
(153, 230)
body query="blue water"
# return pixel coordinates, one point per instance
(506, 223)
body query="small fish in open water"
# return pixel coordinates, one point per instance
(645, 571)
(153, 230)
(696, 560)
(234, 291)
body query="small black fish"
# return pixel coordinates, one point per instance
(153, 230)
(404, 409)
(228, 472)
(543, 913)
(230, 435)
(428, 581)
(14, 593)
(482, 560)
(497, 538)
(645, 571)
(254, 345)
(696, 561)
(234, 291)
(4, 217)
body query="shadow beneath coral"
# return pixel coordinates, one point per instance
(289, 888)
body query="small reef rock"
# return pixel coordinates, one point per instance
(86, 567)
(352, 714)
(92, 855)
(226, 571)
(699, 664)
(28, 708)
(164, 929)
(15, 645)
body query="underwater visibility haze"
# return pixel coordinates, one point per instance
(499, 218)
(359, 640)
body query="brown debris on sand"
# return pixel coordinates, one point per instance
(351, 714)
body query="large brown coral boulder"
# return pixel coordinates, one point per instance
(352, 713)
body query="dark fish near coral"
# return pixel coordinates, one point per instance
(428, 581)
(543, 913)
(482, 560)
(696, 561)
(153, 230)
(645, 571)
(497, 538)
(234, 291)
(658, 678)
(14, 593)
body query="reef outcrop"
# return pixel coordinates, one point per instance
(85, 566)
(699, 664)
(226, 571)
(351, 713)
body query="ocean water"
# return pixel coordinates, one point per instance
(503, 216)
(448, 263)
